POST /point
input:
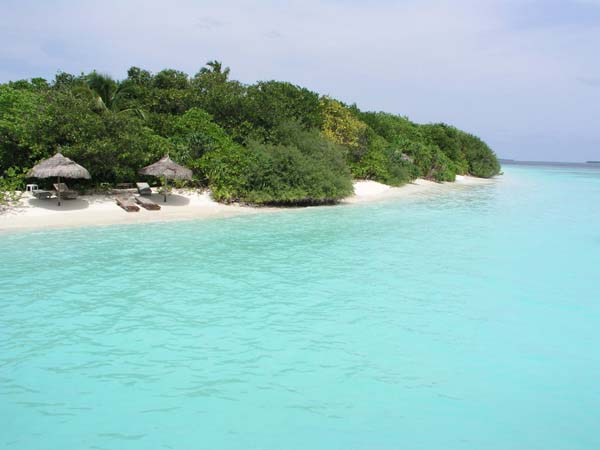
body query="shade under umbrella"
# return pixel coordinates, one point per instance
(168, 169)
(59, 166)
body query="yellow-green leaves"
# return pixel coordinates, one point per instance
(342, 127)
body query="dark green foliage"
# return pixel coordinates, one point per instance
(112, 146)
(197, 130)
(384, 162)
(120, 150)
(368, 162)
(11, 184)
(19, 109)
(392, 128)
(482, 161)
(427, 161)
(304, 168)
(171, 79)
(270, 143)
(227, 171)
(173, 101)
(222, 98)
(35, 84)
(271, 103)
(447, 139)
(400, 168)
(194, 134)
(64, 80)
(370, 155)
(439, 151)
(139, 77)
(103, 87)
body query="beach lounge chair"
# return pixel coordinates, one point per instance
(143, 188)
(41, 195)
(127, 204)
(65, 192)
(147, 203)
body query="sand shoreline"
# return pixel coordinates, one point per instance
(101, 210)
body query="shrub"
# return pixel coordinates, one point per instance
(11, 185)
(226, 171)
(194, 134)
(481, 159)
(304, 168)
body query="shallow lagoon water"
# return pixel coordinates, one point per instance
(467, 320)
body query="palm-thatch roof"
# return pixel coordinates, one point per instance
(167, 168)
(59, 166)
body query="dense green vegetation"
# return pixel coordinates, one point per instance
(268, 143)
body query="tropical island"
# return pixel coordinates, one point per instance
(268, 143)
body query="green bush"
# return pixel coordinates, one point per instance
(227, 170)
(304, 168)
(383, 162)
(270, 142)
(287, 175)
(270, 104)
(195, 134)
(464, 153)
(482, 160)
(401, 169)
(11, 185)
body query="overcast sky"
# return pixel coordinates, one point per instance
(522, 74)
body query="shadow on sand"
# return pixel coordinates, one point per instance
(172, 200)
(65, 205)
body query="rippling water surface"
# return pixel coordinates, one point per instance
(470, 320)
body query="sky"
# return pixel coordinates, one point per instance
(522, 74)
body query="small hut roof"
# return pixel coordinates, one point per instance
(59, 166)
(167, 168)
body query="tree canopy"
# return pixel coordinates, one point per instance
(270, 142)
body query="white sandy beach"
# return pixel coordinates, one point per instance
(97, 210)
(370, 191)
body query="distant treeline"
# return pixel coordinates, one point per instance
(269, 142)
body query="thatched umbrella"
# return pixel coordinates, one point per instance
(59, 166)
(169, 169)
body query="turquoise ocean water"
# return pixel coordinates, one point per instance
(469, 320)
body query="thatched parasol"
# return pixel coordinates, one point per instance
(168, 169)
(59, 166)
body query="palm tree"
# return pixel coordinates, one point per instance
(216, 68)
(108, 95)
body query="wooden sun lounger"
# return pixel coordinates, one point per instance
(42, 195)
(65, 192)
(143, 188)
(127, 204)
(147, 203)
